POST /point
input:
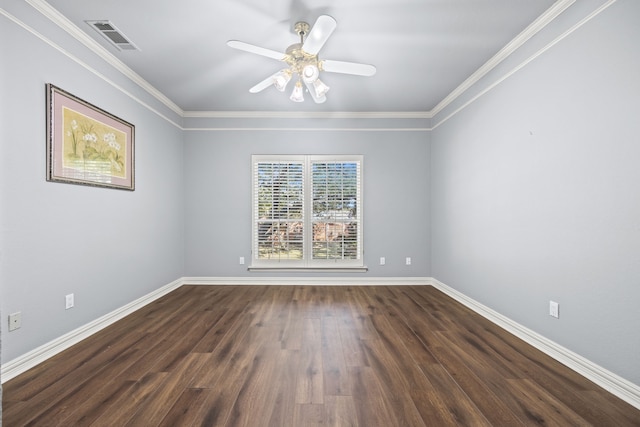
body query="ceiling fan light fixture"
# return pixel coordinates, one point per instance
(281, 78)
(320, 88)
(297, 94)
(312, 91)
(302, 60)
(310, 73)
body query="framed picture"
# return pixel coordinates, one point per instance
(86, 145)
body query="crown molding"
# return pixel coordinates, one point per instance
(57, 18)
(541, 22)
(535, 27)
(525, 62)
(303, 129)
(308, 114)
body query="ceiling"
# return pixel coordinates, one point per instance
(422, 49)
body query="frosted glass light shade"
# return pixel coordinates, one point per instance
(320, 88)
(280, 79)
(297, 95)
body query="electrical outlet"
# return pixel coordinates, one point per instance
(382, 260)
(408, 260)
(241, 260)
(15, 321)
(68, 299)
(554, 309)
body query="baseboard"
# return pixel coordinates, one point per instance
(611, 382)
(27, 361)
(308, 281)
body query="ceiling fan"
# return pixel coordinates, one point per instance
(303, 62)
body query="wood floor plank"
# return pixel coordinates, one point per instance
(351, 343)
(120, 410)
(394, 384)
(536, 403)
(182, 411)
(430, 404)
(284, 389)
(335, 375)
(361, 311)
(99, 400)
(291, 356)
(77, 403)
(157, 404)
(494, 406)
(234, 346)
(253, 407)
(55, 388)
(215, 334)
(310, 385)
(370, 405)
(236, 364)
(309, 415)
(340, 411)
(292, 331)
(458, 406)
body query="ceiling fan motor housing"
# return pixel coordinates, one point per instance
(298, 59)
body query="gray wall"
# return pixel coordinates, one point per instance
(535, 194)
(218, 195)
(108, 247)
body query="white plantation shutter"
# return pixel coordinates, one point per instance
(278, 206)
(307, 211)
(336, 209)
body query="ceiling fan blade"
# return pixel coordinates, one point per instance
(347, 68)
(256, 49)
(319, 34)
(262, 85)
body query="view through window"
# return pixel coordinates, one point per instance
(307, 211)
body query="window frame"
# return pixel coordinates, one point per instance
(307, 263)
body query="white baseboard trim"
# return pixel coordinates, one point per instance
(28, 360)
(611, 382)
(308, 281)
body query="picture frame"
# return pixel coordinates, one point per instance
(87, 145)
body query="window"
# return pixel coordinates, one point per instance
(307, 212)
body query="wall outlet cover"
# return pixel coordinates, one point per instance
(554, 309)
(68, 299)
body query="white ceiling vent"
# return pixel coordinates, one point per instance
(111, 33)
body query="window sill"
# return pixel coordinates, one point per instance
(362, 269)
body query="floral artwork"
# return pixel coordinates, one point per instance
(91, 145)
(87, 145)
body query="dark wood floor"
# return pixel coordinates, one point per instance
(306, 356)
